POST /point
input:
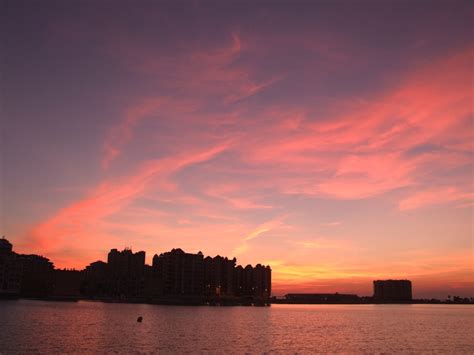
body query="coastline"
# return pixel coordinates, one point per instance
(223, 302)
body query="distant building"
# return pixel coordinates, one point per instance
(6, 247)
(125, 273)
(219, 276)
(392, 291)
(37, 276)
(238, 281)
(179, 274)
(24, 275)
(321, 298)
(262, 281)
(11, 269)
(253, 282)
(216, 279)
(95, 280)
(66, 284)
(174, 276)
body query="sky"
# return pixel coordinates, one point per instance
(332, 140)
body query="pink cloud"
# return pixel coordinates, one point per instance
(200, 71)
(232, 194)
(433, 196)
(122, 133)
(364, 150)
(75, 225)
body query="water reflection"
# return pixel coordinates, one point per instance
(48, 327)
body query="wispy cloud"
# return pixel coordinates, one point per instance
(74, 225)
(434, 196)
(332, 224)
(260, 230)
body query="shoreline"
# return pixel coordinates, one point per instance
(222, 303)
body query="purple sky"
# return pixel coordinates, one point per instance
(331, 140)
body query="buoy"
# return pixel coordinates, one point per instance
(139, 319)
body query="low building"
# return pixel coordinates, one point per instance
(322, 298)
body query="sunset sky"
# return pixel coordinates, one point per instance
(330, 140)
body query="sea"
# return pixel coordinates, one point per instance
(43, 327)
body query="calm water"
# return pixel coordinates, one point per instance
(90, 327)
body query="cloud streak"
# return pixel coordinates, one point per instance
(74, 225)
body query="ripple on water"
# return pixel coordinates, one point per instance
(93, 327)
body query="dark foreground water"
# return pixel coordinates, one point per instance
(90, 327)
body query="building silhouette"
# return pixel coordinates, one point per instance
(30, 275)
(392, 291)
(11, 269)
(95, 280)
(324, 298)
(66, 284)
(178, 274)
(174, 277)
(22, 274)
(261, 281)
(37, 276)
(219, 276)
(125, 273)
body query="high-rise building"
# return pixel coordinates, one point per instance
(37, 276)
(125, 271)
(219, 276)
(262, 281)
(66, 284)
(392, 291)
(253, 282)
(175, 276)
(11, 269)
(239, 281)
(95, 280)
(179, 274)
